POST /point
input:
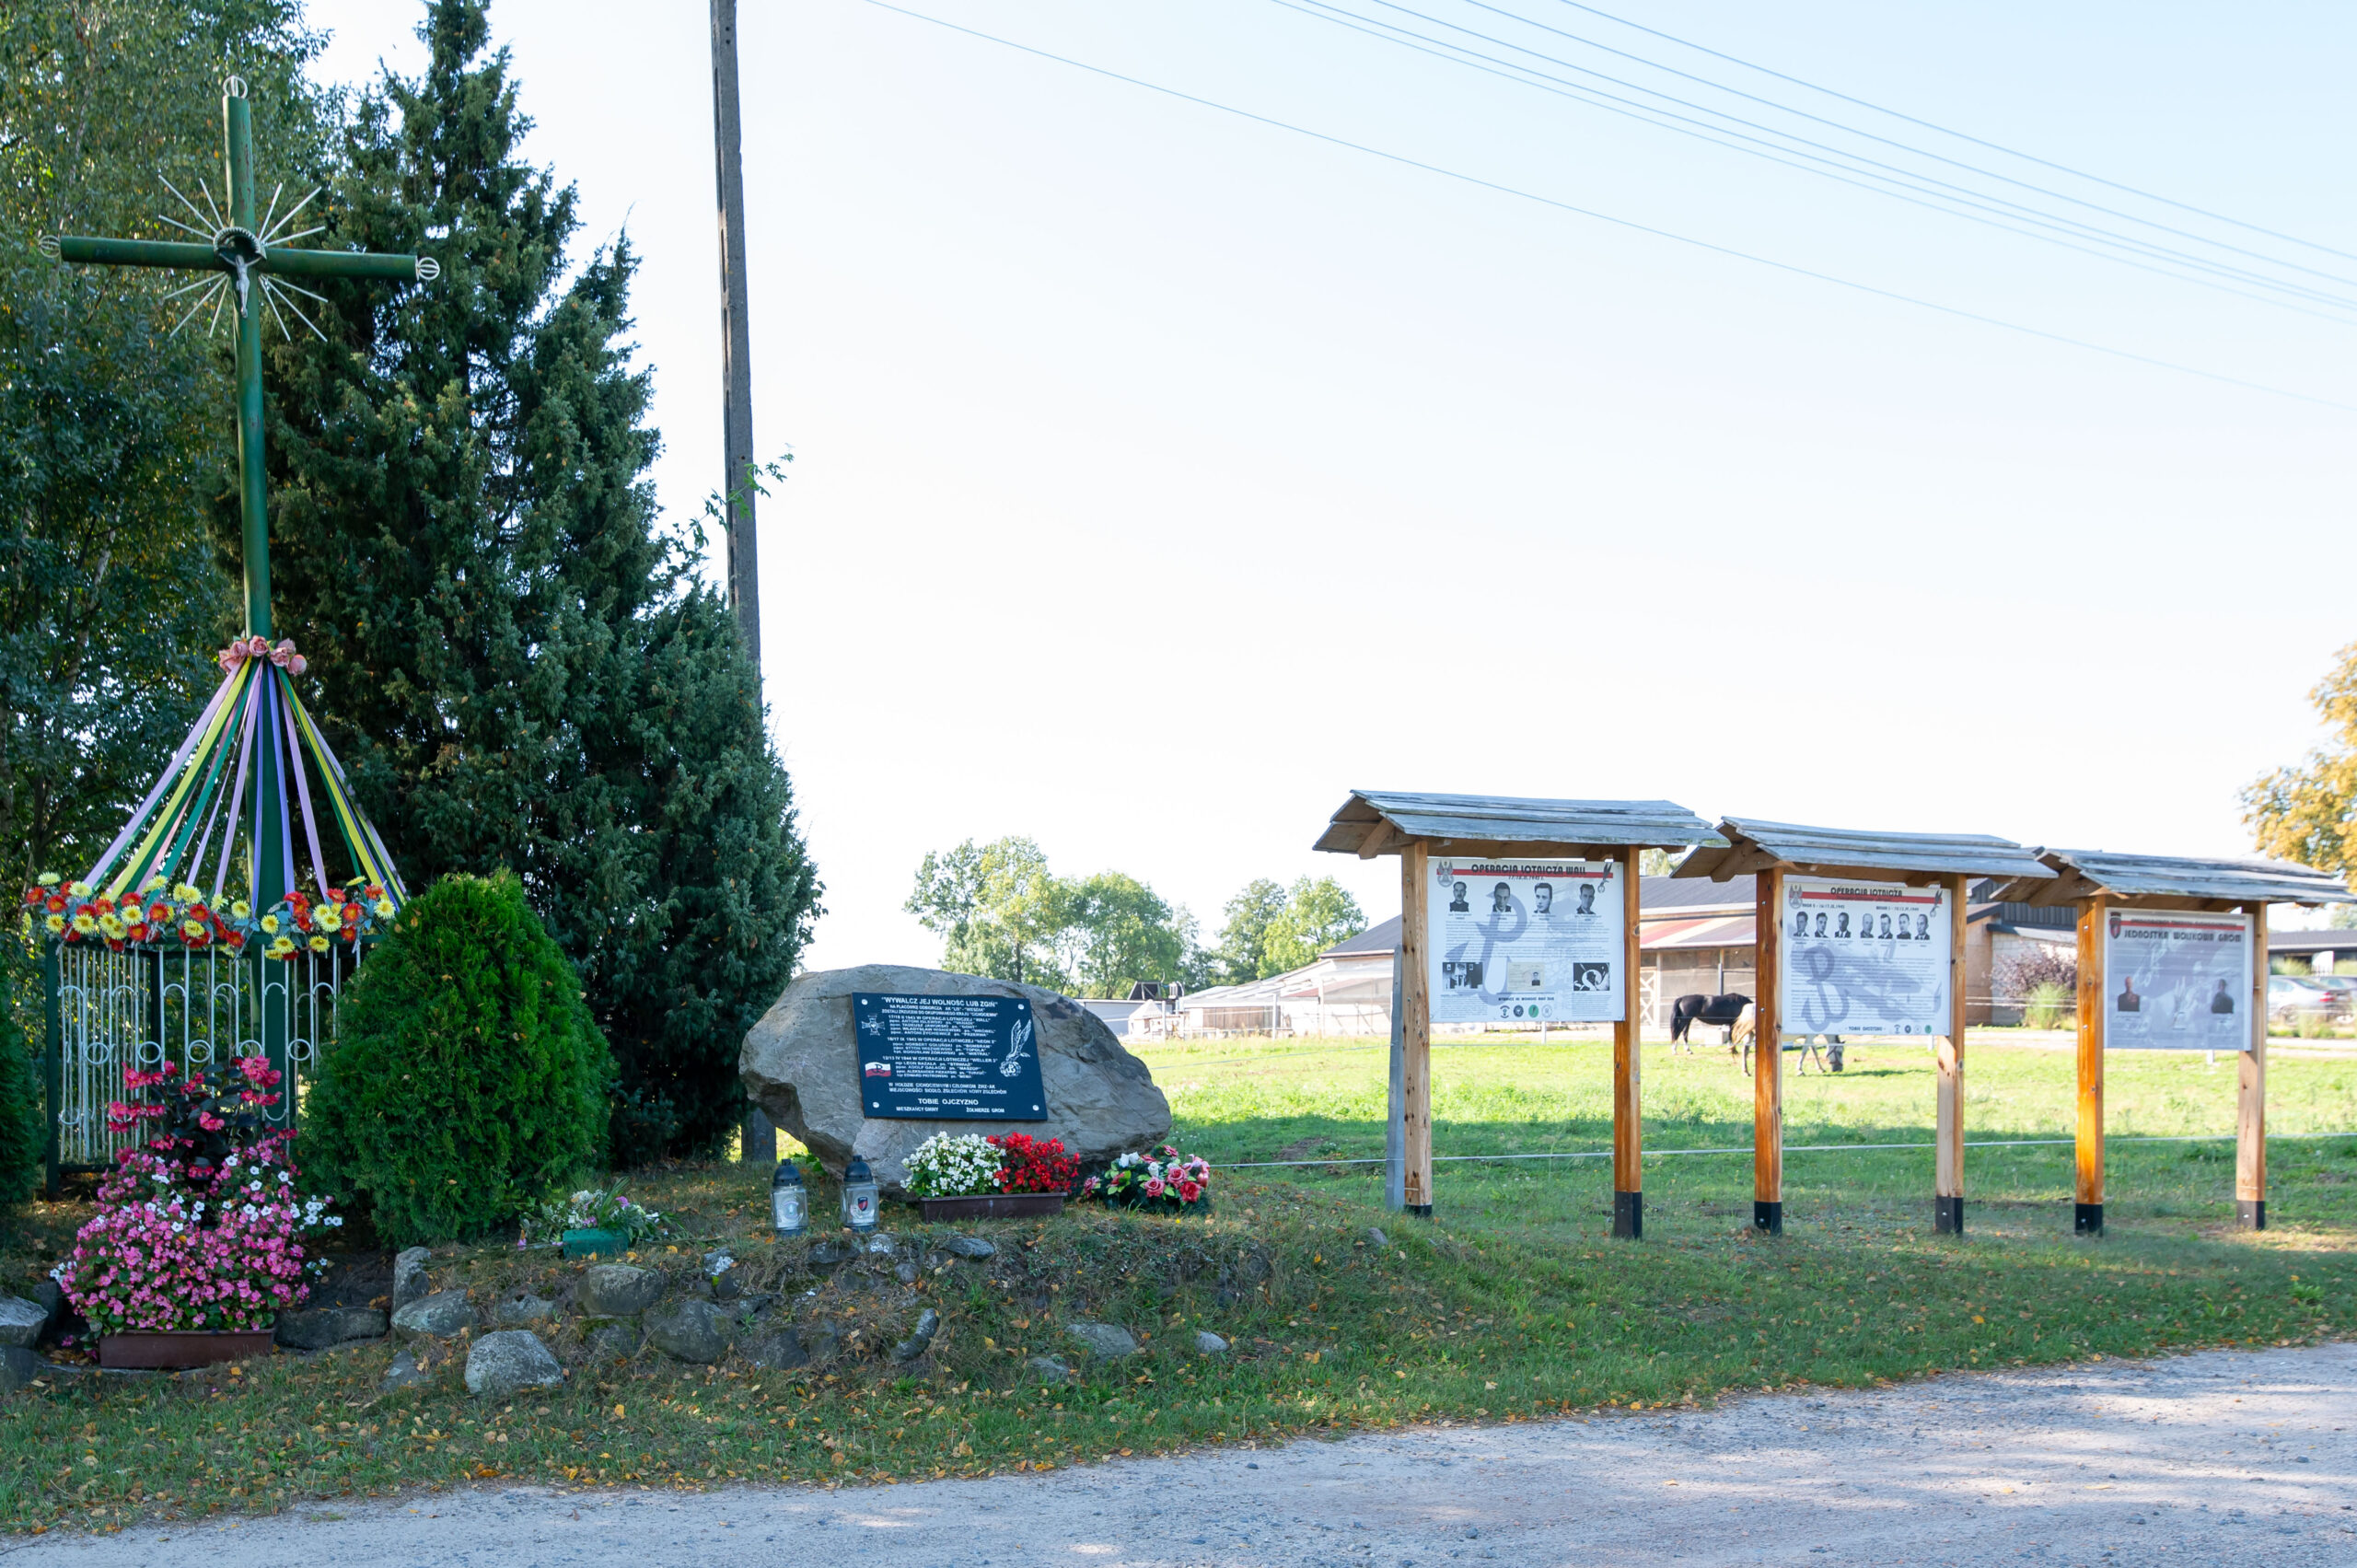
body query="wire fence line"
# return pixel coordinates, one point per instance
(1796, 1149)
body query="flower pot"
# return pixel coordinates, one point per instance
(173, 1351)
(993, 1206)
(596, 1243)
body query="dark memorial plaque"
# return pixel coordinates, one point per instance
(971, 1058)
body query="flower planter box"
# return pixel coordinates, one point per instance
(596, 1243)
(993, 1206)
(176, 1351)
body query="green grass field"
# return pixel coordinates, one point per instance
(1510, 1305)
(1250, 1100)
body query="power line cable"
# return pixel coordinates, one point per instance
(1920, 152)
(1476, 180)
(1933, 194)
(1962, 135)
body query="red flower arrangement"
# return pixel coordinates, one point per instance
(1030, 1165)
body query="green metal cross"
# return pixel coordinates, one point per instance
(248, 264)
(238, 252)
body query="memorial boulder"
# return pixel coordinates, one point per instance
(810, 1064)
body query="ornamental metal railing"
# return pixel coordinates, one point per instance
(136, 1009)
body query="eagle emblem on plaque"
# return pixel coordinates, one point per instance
(1018, 1041)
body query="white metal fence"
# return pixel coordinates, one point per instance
(136, 1009)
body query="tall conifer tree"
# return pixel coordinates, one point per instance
(515, 664)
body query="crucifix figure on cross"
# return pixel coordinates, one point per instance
(198, 932)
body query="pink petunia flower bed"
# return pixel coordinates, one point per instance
(202, 1228)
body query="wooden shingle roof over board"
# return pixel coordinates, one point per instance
(1378, 821)
(2077, 873)
(1754, 846)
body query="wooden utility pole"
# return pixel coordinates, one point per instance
(735, 333)
(760, 1138)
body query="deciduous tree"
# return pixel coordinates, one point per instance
(1317, 914)
(2307, 812)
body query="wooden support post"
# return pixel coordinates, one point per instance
(2087, 1218)
(1415, 1031)
(2250, 1102)
(1767, 1064)
(1395, 1141)
(1628, 1075)
(1947, 1159)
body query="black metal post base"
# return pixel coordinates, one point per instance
(1629, 1216)
(1768, 1219)
(2251, 1212)
(1421, 1210)
(1947, 1215)
(2088, 1220)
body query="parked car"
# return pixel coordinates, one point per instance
(2342, 985)
(2295, 997)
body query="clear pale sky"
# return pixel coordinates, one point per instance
(1160, 476)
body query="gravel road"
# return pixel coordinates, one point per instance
(2225, 1457)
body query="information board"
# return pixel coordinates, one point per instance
(1862, 959)
(956, 1058)
(2174, 982)
(1522, 939)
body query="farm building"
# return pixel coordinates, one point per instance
(2312, 952)
(1346, 991)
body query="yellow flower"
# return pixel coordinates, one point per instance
(319, 944)
(47, 878)
(185, 893)
(383, 909)
(112, 927)
(79, 889)
(55, 922)
(240, 909)
(326, 919)
(85, 925)
(270, 923)
(192, 929)
(282, 947)
(150, 885)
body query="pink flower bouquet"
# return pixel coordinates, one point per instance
(1164, 1180)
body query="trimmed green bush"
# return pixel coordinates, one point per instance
(21, 1143)
(471, 1080)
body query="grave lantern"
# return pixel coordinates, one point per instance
(789, 1200)
(859, 1195)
